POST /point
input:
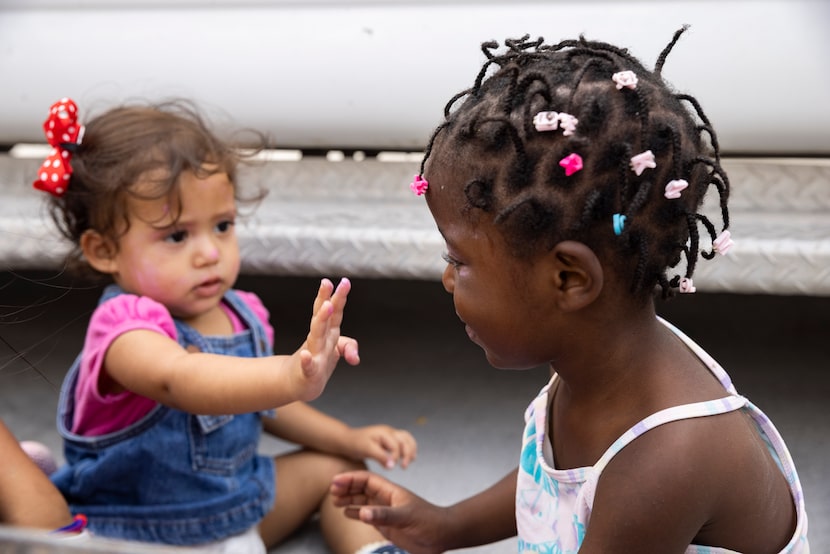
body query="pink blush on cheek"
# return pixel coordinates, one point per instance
(146, 279)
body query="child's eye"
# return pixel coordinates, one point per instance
(224, 226)
(450, 260)
(176, 236)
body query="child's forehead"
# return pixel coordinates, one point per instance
(446, 182)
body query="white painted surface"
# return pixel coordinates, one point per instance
(376, 74)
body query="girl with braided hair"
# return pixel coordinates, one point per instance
(568, 185)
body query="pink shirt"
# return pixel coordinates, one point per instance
(97, 414)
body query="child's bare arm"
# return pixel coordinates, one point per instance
(153, 365)
(302, 424)
(27, 497)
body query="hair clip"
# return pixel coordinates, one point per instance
(419, 185)
(675, 187)
(625, 79)
(568, 123)
(643, 160)
(546, 121)
(723, 243)
(619, 223)
(64, 133)
(551, 121)
(687, 286)
(572, 163)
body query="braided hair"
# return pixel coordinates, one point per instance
(577, 180)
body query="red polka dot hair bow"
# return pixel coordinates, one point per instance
(64, 133)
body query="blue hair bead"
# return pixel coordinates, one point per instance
(619, 224)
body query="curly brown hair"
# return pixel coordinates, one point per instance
(131, 144)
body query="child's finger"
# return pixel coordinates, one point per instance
(348, 349)
(319, 327)
(323, 293)
(306, 362)
(409, 448)
(338, 299)
(400, 447)
(404, 447)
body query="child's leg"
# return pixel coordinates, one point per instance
(303, 481)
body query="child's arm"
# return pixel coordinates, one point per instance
(27, 497)
(155, 366)
(414, 524)
(301, 424)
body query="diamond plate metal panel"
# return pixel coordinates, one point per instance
(359, 219)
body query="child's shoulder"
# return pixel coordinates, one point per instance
(127, 305)
(127, 310)
(697, 470)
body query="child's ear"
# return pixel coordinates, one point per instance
(99, 251)
(577, 275)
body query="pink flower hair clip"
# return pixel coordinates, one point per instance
(723, 243)
(419, 185)
(568, 123)
(687, 286)
(675, 187)
(642, 161)
(625, 79)
(546, 121)
(551, 121)
(571, 163)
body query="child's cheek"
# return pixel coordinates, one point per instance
(146, 278)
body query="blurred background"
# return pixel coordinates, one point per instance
(347, 93)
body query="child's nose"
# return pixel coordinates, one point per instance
(207, 251)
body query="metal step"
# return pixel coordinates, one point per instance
(359, 219)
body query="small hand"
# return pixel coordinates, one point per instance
(324, 345)
(402, 517)
(382, 443)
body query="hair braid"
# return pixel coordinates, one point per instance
(511, 169)
(661, 59)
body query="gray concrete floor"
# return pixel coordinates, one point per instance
(420, 372)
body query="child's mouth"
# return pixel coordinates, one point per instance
(209, 288)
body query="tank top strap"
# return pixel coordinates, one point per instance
(675, 413)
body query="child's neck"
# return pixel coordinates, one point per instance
(611, 349)
(625, 369)
(214, 322)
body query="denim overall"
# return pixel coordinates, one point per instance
(172, 477)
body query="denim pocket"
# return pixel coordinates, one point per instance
(222, 444)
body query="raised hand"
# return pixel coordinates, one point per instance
(324, 345)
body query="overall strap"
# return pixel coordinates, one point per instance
(187, 335)
(261, 343)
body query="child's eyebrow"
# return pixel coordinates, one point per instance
(167, 226)
(447, 242)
